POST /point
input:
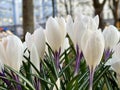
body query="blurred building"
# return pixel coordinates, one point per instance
(11, 11)
(11, 14)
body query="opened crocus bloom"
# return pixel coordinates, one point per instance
(11, 51)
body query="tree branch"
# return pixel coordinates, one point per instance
(103, 3)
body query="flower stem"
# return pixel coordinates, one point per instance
(37, 83)
(79, 56)
(57, 57)
(106, 54)
(16, 78)
(91, 78)
(8, 83)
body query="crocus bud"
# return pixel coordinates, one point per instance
(75, 30)
(38, 38)
(93, 51)
(111, 36)
(55, 32)
(94, 48)
(70, 29)
(11, 51)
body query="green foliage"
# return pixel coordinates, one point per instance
(46, 77)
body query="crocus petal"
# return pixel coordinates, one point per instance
(116, 66)
(80, 28)
(70, 29)
(94, 48)
(29, 40)
(65, 45)
(34, 57)
(116, 51)
(85, 38)
(53, 33)
(14, 52)
(62, 28)
(111, 36)
(3, 57)
(39, 40)
(96, 19)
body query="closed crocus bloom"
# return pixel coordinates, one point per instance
(111, 36)
(94, 48)
(11, 49)
(75, 30)
(93, 52)
(38, 38)
(55, 32)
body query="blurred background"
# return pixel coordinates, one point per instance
(21, 16)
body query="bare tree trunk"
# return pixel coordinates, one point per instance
(71, 12)
(114, 6)
(66, 7)
(28, 17)
(99, 11)
(54, 8)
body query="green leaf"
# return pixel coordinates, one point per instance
(23, 78)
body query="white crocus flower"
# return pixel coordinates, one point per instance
(70, 28)
(111, 36)
(93, 51)
(55, 32)
(77, 28)
(94, 48)
(37, 38)
(11, 51)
